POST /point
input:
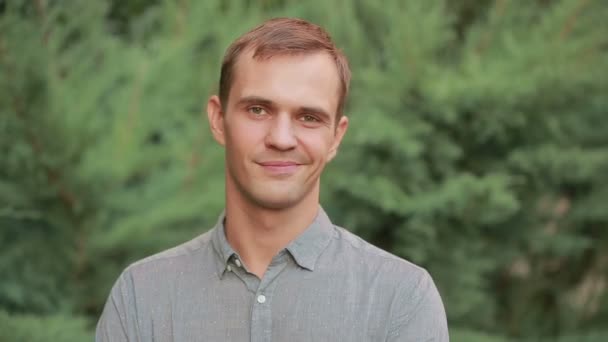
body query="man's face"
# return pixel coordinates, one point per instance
(279, 127)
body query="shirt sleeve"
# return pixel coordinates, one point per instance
(118, 322)
(420, 315)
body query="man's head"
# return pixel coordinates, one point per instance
(284, 37)
(279, 112)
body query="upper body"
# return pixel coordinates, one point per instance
(279, 116)
(327, 285)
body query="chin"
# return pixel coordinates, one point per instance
(273, 195)
(276, 201)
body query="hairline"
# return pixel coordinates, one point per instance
(253, 51)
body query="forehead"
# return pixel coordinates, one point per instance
(309, 79)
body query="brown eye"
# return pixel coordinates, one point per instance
(309, 118)
(257, 110)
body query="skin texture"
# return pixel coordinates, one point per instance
(279, 130)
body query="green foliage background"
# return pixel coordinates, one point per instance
(478, 148)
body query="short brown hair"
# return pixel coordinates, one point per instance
(284, 36)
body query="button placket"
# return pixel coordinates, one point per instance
(261, 314)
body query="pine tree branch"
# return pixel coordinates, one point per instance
(571, 21)
(586, 296)
(54, 176)
(484, 42)
(41, 10)
(194, 162)
(180, 16)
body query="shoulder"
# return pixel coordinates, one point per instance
(362, 252)
(386, 275)
(176, 259)
(416, 308)
(407, 289)
(148, 284)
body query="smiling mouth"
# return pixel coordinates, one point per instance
(280, 167)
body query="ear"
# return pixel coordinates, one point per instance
(216, 119)
(338, 135)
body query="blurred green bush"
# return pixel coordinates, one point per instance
(33, 328)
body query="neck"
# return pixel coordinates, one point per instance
(257, 234)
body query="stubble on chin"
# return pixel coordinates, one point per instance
(271, 194)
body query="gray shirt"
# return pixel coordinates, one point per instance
(327, 285)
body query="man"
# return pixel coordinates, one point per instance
(274, 268)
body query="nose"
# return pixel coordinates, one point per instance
(281, 135)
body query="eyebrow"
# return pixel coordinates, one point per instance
(248, 100)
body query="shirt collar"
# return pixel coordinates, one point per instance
(305, 249)
(222, 248)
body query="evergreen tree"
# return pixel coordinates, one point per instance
(477, 148)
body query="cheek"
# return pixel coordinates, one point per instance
(240, 131)
(244, 135)
(316, 145)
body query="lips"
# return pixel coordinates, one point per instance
(279, 166)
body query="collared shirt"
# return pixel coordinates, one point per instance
(326, 285)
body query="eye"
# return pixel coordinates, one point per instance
(309, 118)
(256, 110)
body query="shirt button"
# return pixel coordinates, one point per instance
(261, 299)
(229, 268)
(237, 262)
